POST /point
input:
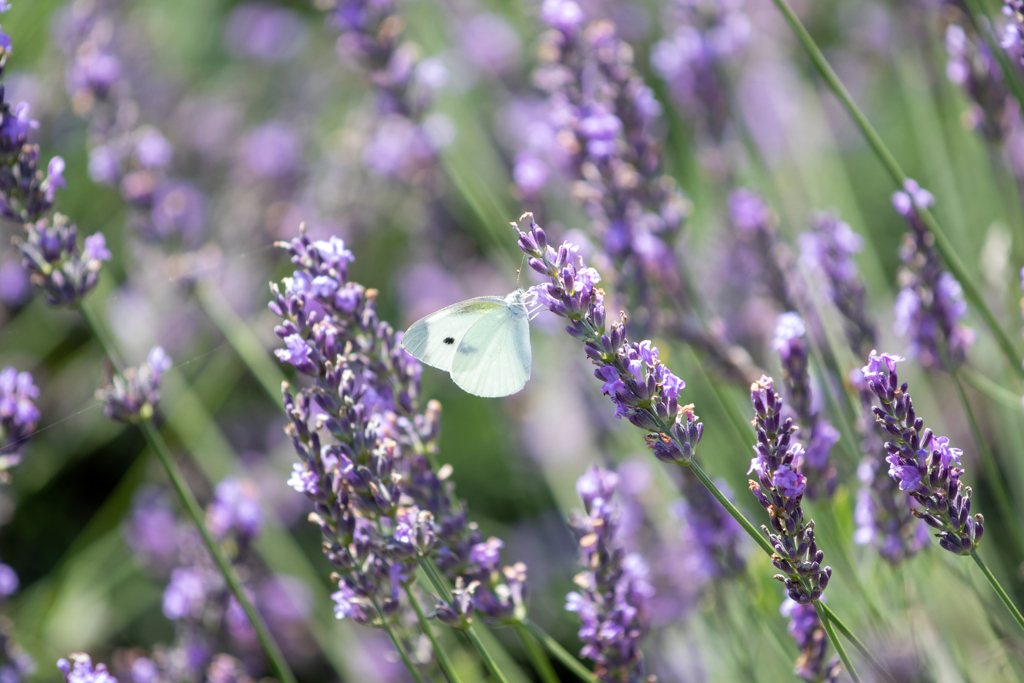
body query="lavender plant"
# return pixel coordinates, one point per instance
(821, 435)
(828, 250)
(924, 465)
(646, 392)
(930, 304)
(805, 627)
(776, 456)
(132, 395)
(613, 603)
(18, 415)
(381, 503)
(883, 512)
(604, 118)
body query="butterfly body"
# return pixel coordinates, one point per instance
(484, 343)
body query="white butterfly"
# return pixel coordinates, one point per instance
(483, 342)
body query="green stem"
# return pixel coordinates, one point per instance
(836, 643)
(994, 479)
(99, 331)
(242, 339)
(560, 653)
(539, 660)
(439, 585)
(398, 643)
(442, 656)
(731, 509)
(855, 641)
(998, 588)
(766, 546)
(942, 242)
(188, 499)
(485, 654)
(979, 17)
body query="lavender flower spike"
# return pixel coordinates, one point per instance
(776, 454)
(926, 466)
(810, 637)
(365, 459)
(931, 303)
(613, 603)
(18, 414)
(132, 395)
(791, 344)
(828, 249)
(643, 389)
(50, 252)
(80, 669)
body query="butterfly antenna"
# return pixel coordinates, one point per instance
(520, 271)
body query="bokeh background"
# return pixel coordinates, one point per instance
(263, 119)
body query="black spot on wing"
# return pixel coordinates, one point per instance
(449, 340)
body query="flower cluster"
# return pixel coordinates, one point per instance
(705, 38)
(80, 669)
(207, 616)
(132, 395)
(924, 465)
(828, 250)
(26, 191)
(613, 603)
(235, 510)
(791, 344)
(406, 140)
(18, 413)
(755, 225)
(603, 118)
(108, 88)
(805, 627)
(643, 389)
(973, 67)
(883, 512)
(712, 535)
(775, 461)
(50, 253)
(930, 305)
(381, 504)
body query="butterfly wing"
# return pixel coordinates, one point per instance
(434, 339)
(494, 357)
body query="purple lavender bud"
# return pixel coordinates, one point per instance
(564, 15)
(178, 209)
(265, 32)
(748, 211)
(8, 581)
(272, 150)
(80, 670)
(95, 248)
(152, 150)
(235, 509)
(596, 483)
(15, 286)
(104, 165)
(185, 595)
(152, 529)
(18, 413)
(132, 395)
(299, 354)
